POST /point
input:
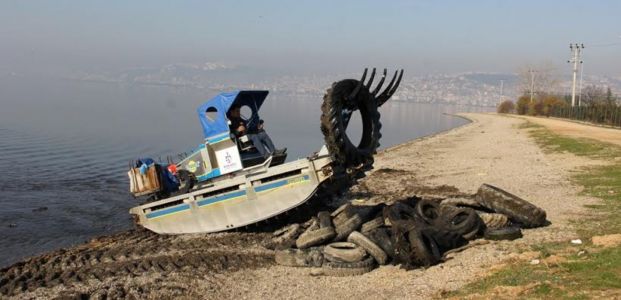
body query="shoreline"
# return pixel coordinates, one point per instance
(130, 226)
(452, 161)
(429, 136)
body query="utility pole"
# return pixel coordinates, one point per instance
(576, 54)
(580, 85)
(502, 85)
(532, 83)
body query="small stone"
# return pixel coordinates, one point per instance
(535, 262)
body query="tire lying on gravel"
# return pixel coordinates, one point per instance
(373, 224)
(322, 232)
(324, 219)
(285, 237)
(312, 257)
(508, 233)
(462, 201)
(381, 237)
(493, 220)
(445, 239)
(334, 124)
(344, 252)
(315, 237)
(348, 226)
(340, 209)
(402, 216)
(342, 214)
(516, 208)
(425, 250)
(464, 221)
(311, 224)
(348, 269)
(370, 247)
(428, 211)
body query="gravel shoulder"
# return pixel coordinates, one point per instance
(579, 130)
(491, 149)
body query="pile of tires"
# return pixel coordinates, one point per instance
(412, 233)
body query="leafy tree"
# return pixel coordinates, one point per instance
(535, 108)
(522, 105)
(506, 107)
(551, 102)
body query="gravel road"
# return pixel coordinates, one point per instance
(579, 130)
(491, 149)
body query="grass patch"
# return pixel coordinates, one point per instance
(595, 269)
(552, 142)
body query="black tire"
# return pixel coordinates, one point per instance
(299, 258)
(324, 219)
(344, 229)
(493, 220)
(461, 202)
(340, 209)
(315, 237)
(343, 215)
(311, 224)
(464, 221)
(476, 231)
(373, 224)
(373, 249)
(428, 211)
(516, 208)
(344, 252)
(445, 239)
(507, 233)
(381, 237)
(401, 245)
(425, 250)
(348, 269)
(402, 216)
(285, 237)
(333, 124)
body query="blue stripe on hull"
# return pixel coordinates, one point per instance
(167, 211)
(278, 184)
(220, 198)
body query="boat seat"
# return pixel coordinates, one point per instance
(249, 154)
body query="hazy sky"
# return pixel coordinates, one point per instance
(330, 36)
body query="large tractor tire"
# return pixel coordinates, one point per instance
(516, 208)
(336, 111)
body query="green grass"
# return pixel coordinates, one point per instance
(594, 270)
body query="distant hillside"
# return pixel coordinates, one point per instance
(472, 88)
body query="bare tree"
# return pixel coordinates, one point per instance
(593, 95)
(541, 78)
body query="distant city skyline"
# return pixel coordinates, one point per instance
(425, 37)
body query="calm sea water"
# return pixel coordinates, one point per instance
(65, 147)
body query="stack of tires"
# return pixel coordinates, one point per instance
(413, 232)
